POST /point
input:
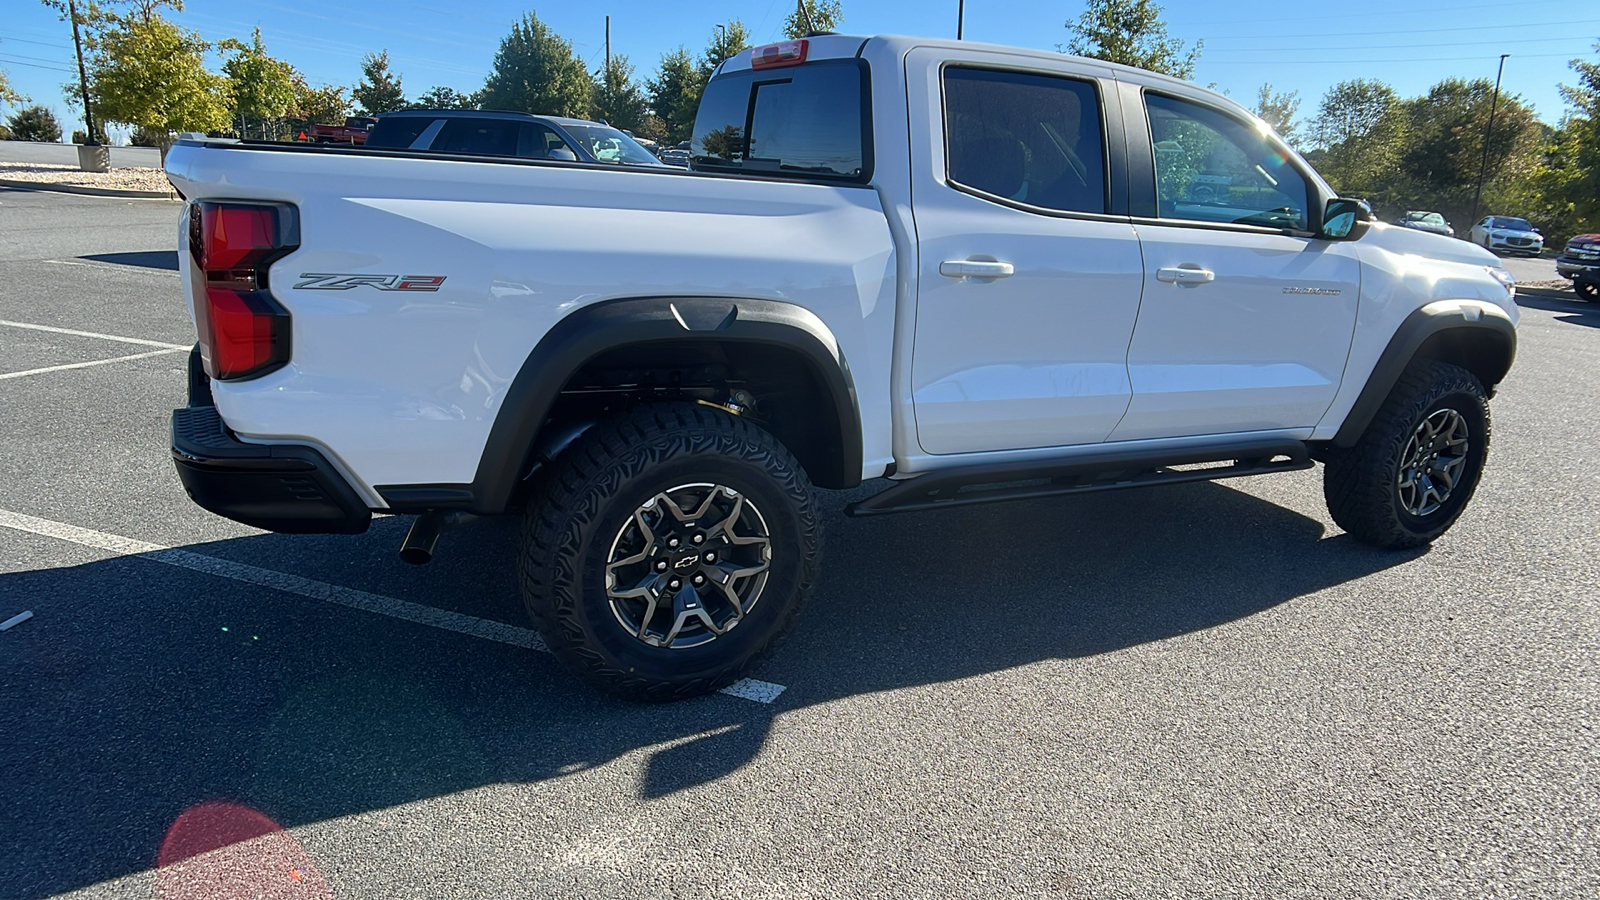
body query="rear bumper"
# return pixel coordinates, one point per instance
(279, 487)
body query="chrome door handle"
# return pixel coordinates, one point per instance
(1185, 275)
(976, 268)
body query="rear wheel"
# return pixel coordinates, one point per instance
(1409, 477)
(670, 549)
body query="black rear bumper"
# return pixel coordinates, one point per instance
(279, 487)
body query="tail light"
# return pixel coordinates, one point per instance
(772, 56)
(244, 333)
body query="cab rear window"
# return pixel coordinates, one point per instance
(806, 122)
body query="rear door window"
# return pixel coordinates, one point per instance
(1030, 138)
(807, 121)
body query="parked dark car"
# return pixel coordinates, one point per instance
(476, 132)
(1580, 261)
(1430, 222)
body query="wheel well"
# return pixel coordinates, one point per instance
(1485, 353)
(774, 386)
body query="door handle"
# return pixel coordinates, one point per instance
(976, 268)
(1185, 274)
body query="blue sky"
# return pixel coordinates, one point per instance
(1294, 46)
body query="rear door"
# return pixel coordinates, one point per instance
(1246, 319)
(1029, 272)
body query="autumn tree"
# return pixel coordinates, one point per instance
(536, 71)
(262, 88)
(7, 94)
(148, 73)
(824, 15)
(675, 94)
(326, 105)
(1133, 33)
(618, 100)
(379, 90)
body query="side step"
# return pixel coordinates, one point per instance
(1081, 475)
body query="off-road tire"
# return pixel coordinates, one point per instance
(1362, 483)
(592, 492)
(1587, 290)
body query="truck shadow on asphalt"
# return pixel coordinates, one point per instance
(145, 690)
(1578, 312)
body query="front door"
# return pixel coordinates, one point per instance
(1027, 288)
(1246, 320)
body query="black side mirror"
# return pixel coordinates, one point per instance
(1345, 219)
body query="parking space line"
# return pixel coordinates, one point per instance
(86, 365)
(746, 689)
(93, 334)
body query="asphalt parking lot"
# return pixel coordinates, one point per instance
(1191, 691)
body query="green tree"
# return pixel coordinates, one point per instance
(1361, 127)
(7, 94)
(148, 73)
(261, 88)
(1564, 190)
(618, 100)
(1133, 33)
(824, 14)
(445, 98)
(675, 94)
(34, 123)
(1279, 110)
(726, 41)
(379, 90)
(1444, 149)
(536, 71)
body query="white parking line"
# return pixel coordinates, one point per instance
(747, 689)
(85, 365)
(92, 334)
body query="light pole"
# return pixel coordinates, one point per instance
(961, 16)
(1488, 132)
(83, 77)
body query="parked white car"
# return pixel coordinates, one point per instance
(981, 272)
(1507, 233)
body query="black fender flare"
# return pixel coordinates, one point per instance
(1452, 331)
(591, 330)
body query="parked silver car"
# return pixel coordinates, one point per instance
(1507, 233)
(1422, 220)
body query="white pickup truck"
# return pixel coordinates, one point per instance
(984, 273)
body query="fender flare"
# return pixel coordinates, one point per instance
(589, 331)
(1478, 321)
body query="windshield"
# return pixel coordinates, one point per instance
(1428, 217)
(610, 145)
(1512, 224)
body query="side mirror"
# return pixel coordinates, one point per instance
(563, 154)
(1345, 219)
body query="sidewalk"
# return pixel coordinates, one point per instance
(54, 167)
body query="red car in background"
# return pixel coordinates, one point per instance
(353, 131)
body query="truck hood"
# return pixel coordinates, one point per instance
(1411, 242)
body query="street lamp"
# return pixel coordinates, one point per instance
(1488, 132)
(961, 16)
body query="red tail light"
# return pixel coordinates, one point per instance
(244, 333)
(787, 53)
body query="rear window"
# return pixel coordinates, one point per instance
(807, 122)
(397, 133)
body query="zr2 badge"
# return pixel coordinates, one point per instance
(319, 281)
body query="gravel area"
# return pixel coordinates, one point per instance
(127, 179)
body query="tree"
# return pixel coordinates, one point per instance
(260, 87)
(378, 91)
(1361, 127)
(675, 94)
(1444, 150)
(445, 98)
(618, 99)
(1133, 33)
(148, 73)
(726, 41)
(1278, 110)
(326, 105)
(825, 16)
(34, 123)
(536, 71)
(7, 94)
(1568, 182)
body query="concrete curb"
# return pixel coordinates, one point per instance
(84, 189)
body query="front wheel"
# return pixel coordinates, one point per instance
(1586, 290)
(668, 551)
(1409, 477)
